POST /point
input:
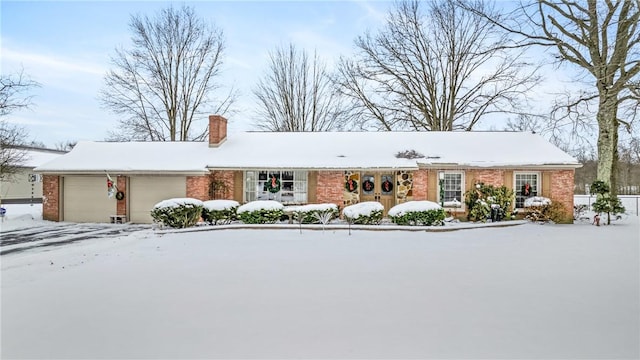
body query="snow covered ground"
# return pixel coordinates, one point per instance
(529, 291)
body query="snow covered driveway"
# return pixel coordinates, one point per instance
(57, 234)
(530, 291)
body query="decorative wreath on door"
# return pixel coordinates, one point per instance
(351, 185)
(387, 186)
(120, 195)
(273, 185)
(367, 185)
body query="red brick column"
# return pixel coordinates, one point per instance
(330, 187)
(420, 184)
(562, 190)
(198, 187)
(50, 197)
(121, 205)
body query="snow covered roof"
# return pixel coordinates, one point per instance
(37, 156)
(145, 157)
(318, 150)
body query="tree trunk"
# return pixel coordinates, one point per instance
(608, 142)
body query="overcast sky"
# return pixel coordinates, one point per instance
(66, 47)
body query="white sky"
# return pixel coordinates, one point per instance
(66, 47)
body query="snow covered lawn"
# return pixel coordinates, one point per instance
(529, 291)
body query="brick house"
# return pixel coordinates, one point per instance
(297, 168)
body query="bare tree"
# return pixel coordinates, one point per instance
(14, 96)
(15, 92)
(440, 69)
(297, 94)
(600, 39)
(167, 80)
(12, 156)
(67, 145)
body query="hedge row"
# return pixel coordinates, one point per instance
(186, 212)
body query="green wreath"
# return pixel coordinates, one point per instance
(120, 195)
(368, 185)
(271, 188)
(351, 185)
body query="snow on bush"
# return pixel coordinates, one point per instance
(220, 211)
(260, 212)
(536, 201)
(417, 213)
(368, 212)
(315, 213)
(177, 212)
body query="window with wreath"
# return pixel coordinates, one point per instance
(451, 186)
(526, 185)
(285, 186)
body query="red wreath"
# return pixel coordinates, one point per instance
(526, 189)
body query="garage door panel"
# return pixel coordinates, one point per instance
(146, 191)
(85, 199)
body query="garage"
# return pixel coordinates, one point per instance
(85, 199)
(146, 191)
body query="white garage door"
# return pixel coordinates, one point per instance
(146, 191)
(85, 199)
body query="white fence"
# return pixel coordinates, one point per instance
(631, 203)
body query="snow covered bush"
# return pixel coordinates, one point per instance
(604, 202)
(536, 201)
(368, 212)
(315, 213)
(417, 213)
(260, 212)
(177, 212)
(220, 211)
(542, 209)
(480, 200)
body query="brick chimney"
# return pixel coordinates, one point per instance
(217, 130)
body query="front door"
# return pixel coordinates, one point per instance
(379, 186)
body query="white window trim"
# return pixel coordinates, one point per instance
(257, 171)
(462, 188)
(515, 188)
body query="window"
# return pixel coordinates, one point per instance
(292, 186)
(526, 185)
(451, 188)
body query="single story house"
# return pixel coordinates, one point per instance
(25, 186)
(302, 167)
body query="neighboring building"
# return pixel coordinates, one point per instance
(25, 186)
(302, 167)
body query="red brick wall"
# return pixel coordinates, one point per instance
(420, 184)
(198, 187)
(562, 189)
(121, 205)
(330, 187)
(493, 177)
(50, 197)
(227, 177)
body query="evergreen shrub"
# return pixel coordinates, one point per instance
(178, 212)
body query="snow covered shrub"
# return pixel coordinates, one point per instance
(316, 213)
(260, 212)
(368, 212)
(220, 211)
(604, 202)
(177, 212)
(542, 209)
(417, 213)
(479, 201)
